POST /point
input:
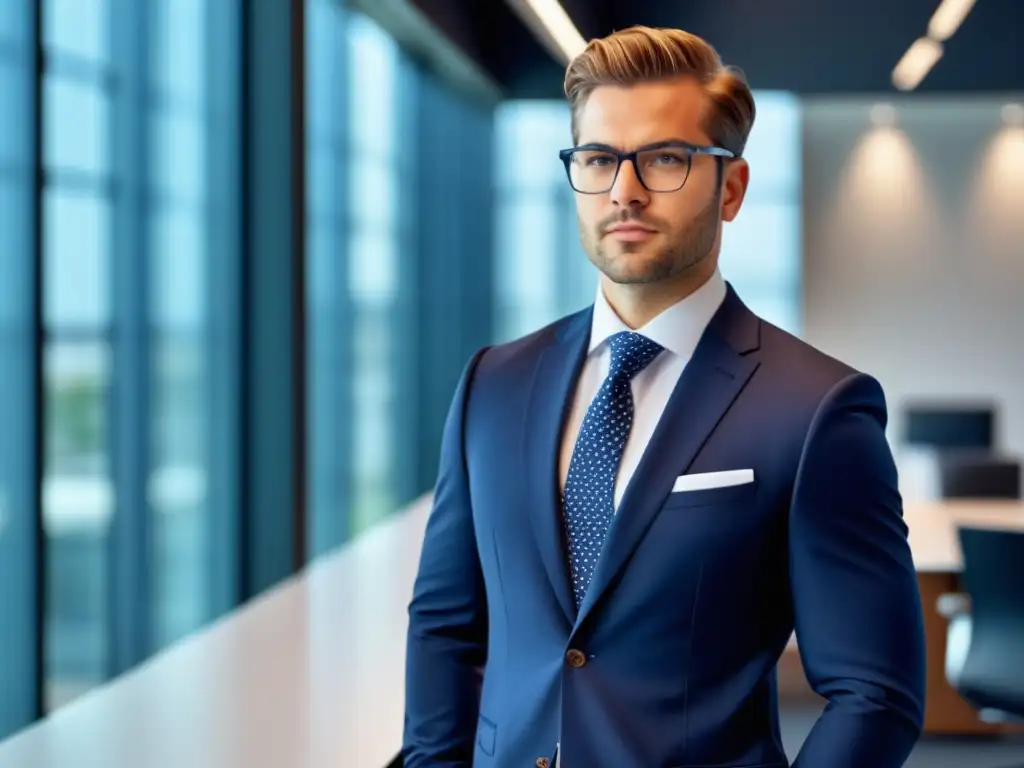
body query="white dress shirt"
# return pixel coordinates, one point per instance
(677, 329)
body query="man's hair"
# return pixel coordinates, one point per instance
(642, 54)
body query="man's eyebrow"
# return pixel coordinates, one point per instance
(646, 145)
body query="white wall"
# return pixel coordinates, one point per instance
(914, 248)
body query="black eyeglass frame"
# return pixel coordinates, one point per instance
(694, 149)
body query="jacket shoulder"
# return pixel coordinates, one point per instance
(526, 349)
(805, 363)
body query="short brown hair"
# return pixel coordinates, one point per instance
(642, 54)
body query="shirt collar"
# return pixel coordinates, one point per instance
(678, 329)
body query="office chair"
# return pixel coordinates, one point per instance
(985, 639)
(979, 475)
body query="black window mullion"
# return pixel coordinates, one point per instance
(273, 374)
(21, 531)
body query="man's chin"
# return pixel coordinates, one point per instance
(634, 268)
(635, 276)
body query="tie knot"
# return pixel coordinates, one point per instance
(631, 353)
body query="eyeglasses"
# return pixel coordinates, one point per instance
(664, 167)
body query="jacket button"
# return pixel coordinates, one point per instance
(542, 762)
(575, 658)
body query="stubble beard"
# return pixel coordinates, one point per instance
(628, 264)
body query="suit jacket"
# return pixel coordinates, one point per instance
(670, 660)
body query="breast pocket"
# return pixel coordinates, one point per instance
(709, 496)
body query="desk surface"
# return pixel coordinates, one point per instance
(933, 528)
(312, 673)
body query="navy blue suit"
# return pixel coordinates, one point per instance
(670, 660)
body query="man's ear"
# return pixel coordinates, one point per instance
(734, 187)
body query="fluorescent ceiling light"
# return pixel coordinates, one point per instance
(916, 63)
(552, 25)
(947, 18)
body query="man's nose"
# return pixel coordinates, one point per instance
(627, 189)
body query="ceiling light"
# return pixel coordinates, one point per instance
(916, 63)
(947, 18)
(552, 25)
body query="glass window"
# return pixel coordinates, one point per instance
(761, 247)
(77, 266)
(177, 483)
(528, 135)
(374, 191)
(323, 171)
(194, 43)
(774, 144)
(77, 125)
(761, 242)
(354, 232)
(179, 64)
(140, 295)
(372, 419)
(373, 249)
(179, 156)
(372, 87)
(77, 27)
(542, 270)
(78, 495)
(178, 277)
(78, 506)
(373, 267)
(15, 134)
(326, 294)
(526, 285)
(324, 54)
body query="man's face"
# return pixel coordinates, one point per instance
(667, 234)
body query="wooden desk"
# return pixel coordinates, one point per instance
(933, 525)
(935, 547)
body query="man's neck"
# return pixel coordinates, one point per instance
(637, 304)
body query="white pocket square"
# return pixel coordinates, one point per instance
(704, 480)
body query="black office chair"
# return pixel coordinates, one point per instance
(985, 641)
(979, 475)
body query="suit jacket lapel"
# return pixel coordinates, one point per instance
(551, 396)
(711, 381)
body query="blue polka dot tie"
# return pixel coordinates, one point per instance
(589, 497)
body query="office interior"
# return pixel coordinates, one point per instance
(249, 245)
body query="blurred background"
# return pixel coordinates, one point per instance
(246, 248)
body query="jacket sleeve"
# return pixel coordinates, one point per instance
(447, 636)
(858, 615)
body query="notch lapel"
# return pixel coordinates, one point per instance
(710, 382)
(551, 397)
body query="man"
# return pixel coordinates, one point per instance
(638, 504)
